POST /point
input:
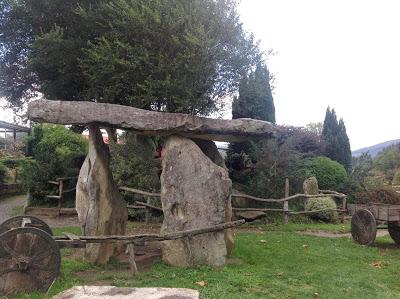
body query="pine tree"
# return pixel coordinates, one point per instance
(255, 97)
(336, 139)
(254, 101)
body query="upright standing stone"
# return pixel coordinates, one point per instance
(310, 186)
(211, 151)
(195, 193)
(101, 209)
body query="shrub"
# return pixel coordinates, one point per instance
(320, 203)
(53, 151)
(3, 173)
(330, 174)
(396, 178)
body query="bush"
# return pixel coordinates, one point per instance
(53, 151)
(320, 203)
(396, 178)
(330, 174)
(3, 173)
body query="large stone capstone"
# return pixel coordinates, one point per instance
(101, 209)
(149, 122)
(195, 193)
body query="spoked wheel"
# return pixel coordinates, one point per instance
(17, 221)
(394, 231)
(363, 227)
(29, 260)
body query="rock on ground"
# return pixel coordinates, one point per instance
(101, 209)
(249, 215)
(110, 292)
(195, 193)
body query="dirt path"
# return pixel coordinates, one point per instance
(326, 234)
(8, 204)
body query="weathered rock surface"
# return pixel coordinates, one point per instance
(209, 148)
(195, 193)
(310, 186)
(111, 292)
(148, 122)
(101, 209)
(249, 215)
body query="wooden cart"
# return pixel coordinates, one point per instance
(366, 217)
(30, 256)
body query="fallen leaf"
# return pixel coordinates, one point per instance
(201, 283)
(376, 264)
(279, 273)
(248, 274)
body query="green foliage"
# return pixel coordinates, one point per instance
(176, 56)
(53, 151)
(255, 97)
(133, 164)
(388, 161)
(396, 178)
(321, 203)
(336, 139)
(330, 174)
(3, 173)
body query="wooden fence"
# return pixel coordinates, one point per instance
(286, 212)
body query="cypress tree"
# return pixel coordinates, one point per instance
(254, 101)
(336, 139)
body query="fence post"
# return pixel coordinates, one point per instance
(344, 200)
(286, 203)
(147, 209)
(60, 193)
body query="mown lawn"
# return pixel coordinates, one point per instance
(273, 262)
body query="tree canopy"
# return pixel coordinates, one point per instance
(336, 139)
(255, 97)
(175, 56)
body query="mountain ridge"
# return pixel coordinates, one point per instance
(374, 149)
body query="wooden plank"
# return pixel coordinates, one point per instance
(53, 196)
(137, 191)
(148, 206)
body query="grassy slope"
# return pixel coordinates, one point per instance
(273, 263)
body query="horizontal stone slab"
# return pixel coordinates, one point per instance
(109, 292)
(149, 122)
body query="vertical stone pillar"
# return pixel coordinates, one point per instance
(101, 209)
(195, 193)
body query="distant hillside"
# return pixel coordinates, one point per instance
(374, 149)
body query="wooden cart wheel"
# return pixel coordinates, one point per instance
(29, 260)
(363, 227)
(17, 221)
(394, 231)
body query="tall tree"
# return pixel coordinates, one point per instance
(255, 97)
(254, 101)
(176, 56)
(337, 142)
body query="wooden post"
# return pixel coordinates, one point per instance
(147, 210)
(344, 200)
(286, 203)
(60, 192)
(131, 250)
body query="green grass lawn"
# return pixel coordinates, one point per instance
(273, 262)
